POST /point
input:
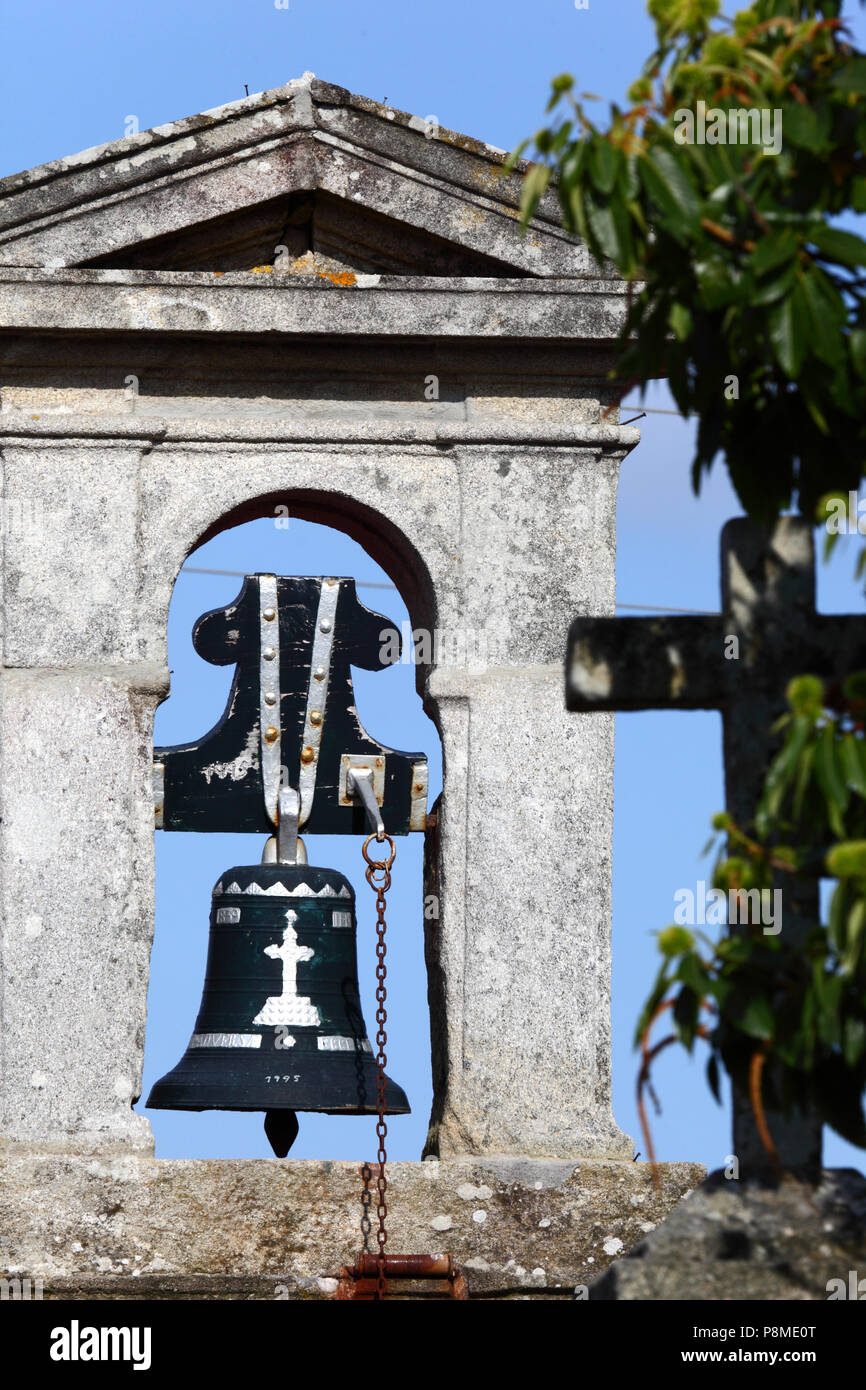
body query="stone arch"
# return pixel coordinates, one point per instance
(188, 498)
(373, 530)
(386, 544)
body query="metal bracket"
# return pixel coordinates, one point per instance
(365, 762)
(158, 795)
(408, 1276)
(269, 853)
(288, 811)
(359, 783)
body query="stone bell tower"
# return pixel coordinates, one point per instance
(307, 298)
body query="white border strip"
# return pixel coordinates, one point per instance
(317, 695)
(269, 684)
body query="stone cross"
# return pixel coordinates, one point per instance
(289, 1007)
(739, 662)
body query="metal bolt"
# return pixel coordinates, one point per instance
(307, 756)
(319, 673)
(316, 717)
(269, 614)
(270, 698)
(269, 653)
(325, 625)
(271, 734)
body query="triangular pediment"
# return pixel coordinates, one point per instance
(311, 232)
(307, 179)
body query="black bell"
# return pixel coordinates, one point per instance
(280, 1026)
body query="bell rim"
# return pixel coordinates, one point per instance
(200, 1075)
(286, 1105)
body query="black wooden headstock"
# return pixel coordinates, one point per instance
(290, 717)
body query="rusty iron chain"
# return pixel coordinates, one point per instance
(378, 875)
(366, 1223)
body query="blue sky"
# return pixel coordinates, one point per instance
(75, 75)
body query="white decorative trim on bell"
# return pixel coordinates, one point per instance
(335, 1043)
(225, 1040)
(279, 890)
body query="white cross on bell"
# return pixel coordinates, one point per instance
(289, 1007)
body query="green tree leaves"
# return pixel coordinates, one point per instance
(803, 1003)
(720, 190)
(671, 194)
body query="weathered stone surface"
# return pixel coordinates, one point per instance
(315, 382)
(128, 1226)
(527, 1065)
(490, 503)
(77, 902)
(737, 1240)
(289, 146)
(151, 301)
(62, 607)
(522, 1055)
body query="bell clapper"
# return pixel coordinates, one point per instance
(281, 1127)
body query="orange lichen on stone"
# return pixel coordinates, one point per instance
(337, 278)
(263, 270)
(490, 175)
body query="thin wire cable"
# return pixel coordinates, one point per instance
(657, 608)
(376, 584)
(242, 574)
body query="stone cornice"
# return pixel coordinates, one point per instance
(122, 430)
(245, 303)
